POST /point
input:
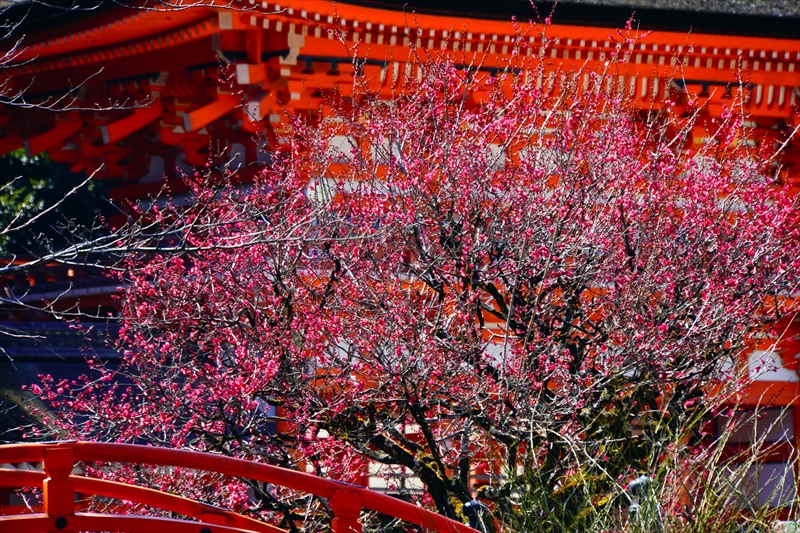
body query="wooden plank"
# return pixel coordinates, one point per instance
(195, 120)
(141, 117)
(62, 131)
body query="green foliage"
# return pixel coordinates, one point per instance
(32, 184)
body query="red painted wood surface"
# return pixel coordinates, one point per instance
(59, 485)
(101, 522)
(286, 57)
(169, 502)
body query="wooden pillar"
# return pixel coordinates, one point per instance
(58, 489)
(346, 508)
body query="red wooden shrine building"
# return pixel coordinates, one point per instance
(160, 68)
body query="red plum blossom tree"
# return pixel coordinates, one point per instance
(536, 276)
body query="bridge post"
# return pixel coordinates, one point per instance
(346, 507)
(58, 489)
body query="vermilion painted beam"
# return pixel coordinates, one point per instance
(10, 478)
(773, 393)
(248, 74)
(108, 28)
(194, 120)
(62, 131)
(141, 117)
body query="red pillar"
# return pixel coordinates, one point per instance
(346, 508)
(58, 489)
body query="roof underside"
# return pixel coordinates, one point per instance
(148, 101)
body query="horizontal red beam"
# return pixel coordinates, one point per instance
(141, 117)
(107, 28)
(782, 393)
(62, 131)
(394, 22)
(195, 120)
(247, 74)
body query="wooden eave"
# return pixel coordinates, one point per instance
(109, 29)
(286, 56)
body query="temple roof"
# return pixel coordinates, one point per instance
(148, 101)
(775, 18)
(772, 8)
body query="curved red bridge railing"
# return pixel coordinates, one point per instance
(59, 487)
